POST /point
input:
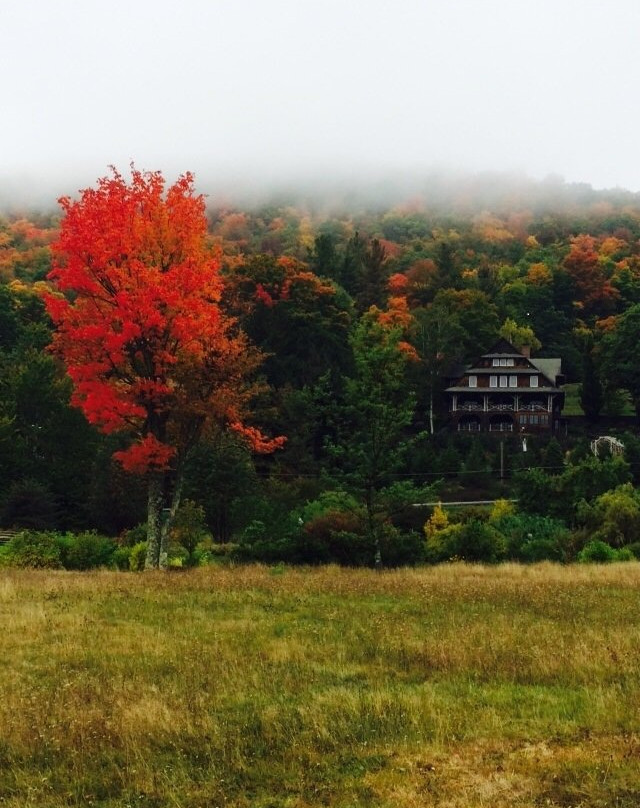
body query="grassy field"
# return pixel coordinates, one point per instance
(621, 404)
(455, 686)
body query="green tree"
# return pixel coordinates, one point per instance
(619, 355)
(371, 426)
(436, 334)
(591, 391)
(519, 335)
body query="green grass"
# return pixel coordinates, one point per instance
(620, 404)
(453, 686)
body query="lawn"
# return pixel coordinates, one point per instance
(455, 686)
(619, 402)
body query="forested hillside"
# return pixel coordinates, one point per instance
(359, 310)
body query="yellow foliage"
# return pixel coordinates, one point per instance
(539, 274)
(612, 245)
(437, 522)
(501, 508)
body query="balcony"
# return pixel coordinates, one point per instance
(501, 427)
(469, 426)
(534, 406)
(470, 406)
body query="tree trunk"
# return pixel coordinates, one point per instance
(431, 430)
(165, 530)
(154, 520)
(372, 527)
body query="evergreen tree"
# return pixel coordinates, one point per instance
(591, 391)
(377, 408)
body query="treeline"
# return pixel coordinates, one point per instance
(359, 316)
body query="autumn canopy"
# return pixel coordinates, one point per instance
(141, 332)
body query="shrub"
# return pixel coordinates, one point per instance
(121, 558)
(531, 537)
(134, 535)
(179, 556)
(597, 552)
(88, 550)
(189, 526)
(400, 547)
(138, 556)
(480, 541)
(475, 540)
(541, 550)
(208, 552)
(442, 545)
(35, 550)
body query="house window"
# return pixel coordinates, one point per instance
(503, 363)
(504, 381)
(533, 381)
(493, 381)
(510, 363)
(513, 381)
(495, 363)
(473, 381)
(524, 419)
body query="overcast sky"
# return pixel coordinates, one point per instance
(266, 90)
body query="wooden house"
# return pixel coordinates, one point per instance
(507, 390)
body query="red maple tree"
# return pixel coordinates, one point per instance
(141, 332)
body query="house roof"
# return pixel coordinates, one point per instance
(521, 391)
(503, 348)
(549, 367)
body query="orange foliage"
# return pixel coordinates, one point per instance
(582, 265)
(144, 340)
(539, 275)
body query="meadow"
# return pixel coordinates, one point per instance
(459, 686)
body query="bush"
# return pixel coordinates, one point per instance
(138, 556)
(401, 548)
(474, 541)
(134, 535)
(531, 537)
(597, 552)
(189, 527)
(121, 558)
(541, 550)
(88, 550)
(208, 552)
(35, 550)
(479, 541)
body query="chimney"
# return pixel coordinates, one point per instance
(526, 351)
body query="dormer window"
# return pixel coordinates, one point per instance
(533, 381)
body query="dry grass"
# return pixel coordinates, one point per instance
(456, 686)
